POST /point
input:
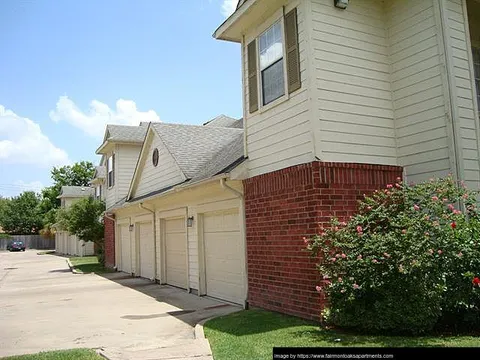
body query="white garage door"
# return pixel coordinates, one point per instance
(176, 252)
(147, 250)
(223, 256)
(125, 249)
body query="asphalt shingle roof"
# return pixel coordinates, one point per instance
(201, 151)
(126, 133)
(225, 121)
(100, 172)
(76, 191)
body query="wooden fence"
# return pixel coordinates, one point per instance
(31, 241)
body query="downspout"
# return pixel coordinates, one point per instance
(154, 238)
(225, 186)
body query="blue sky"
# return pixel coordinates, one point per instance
(69, 67)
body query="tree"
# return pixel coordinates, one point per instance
(78, 174)
(21, 215)
(84, 218)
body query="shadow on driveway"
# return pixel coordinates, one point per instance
(190, 308)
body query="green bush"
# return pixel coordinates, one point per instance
(407, 262)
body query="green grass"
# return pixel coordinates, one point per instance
(252, 334)
(88, 264)
(75, 354)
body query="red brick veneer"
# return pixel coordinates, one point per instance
(109, 242)
(283, 206)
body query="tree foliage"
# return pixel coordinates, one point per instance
(407, 262)
(84, 218)
(21, 214)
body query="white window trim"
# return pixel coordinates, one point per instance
(277, 17)
(108, 171)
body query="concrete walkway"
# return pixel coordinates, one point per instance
(43, 306)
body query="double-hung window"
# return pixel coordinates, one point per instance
(111, 170)
(273, 62)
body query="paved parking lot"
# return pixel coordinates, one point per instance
(43, 306)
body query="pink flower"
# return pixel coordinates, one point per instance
(389, 186)
(427, 233)
(326, 277)
(359, 257)
(369, 208)
(398, 185)
(457, 212)
(318, 288)
(344, 256)
(404, 231)
(440, 252)
(333, 259)
(416, 207)
(337, 256)
(343, 223)
(460, 254)
(356, 286)
(444, 199)
(359, 229)
(434, 198)
(340, 279)
(451, 207)
(386, 255)
(374, 261)
(399, 179)
(305, 240)
(335, 228)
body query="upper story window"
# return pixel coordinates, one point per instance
(111, 170)
(271, 63)
(98, 192)
(476, 71)
(276, 69)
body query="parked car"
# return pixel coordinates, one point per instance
(16, 246)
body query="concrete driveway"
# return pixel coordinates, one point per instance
(43, 306)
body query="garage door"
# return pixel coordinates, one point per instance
(125, 249)
(223, 256)
(176, 252)
(147, 250)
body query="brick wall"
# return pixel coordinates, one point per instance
(109, 242)
(282, 207)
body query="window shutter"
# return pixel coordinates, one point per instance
(293, 56)
(252, 76)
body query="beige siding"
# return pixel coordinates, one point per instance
(280, 136)
(354, 120)
(151, 178)
(126, 158)
(467, 121)
(418, 88)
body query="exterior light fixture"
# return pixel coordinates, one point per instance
(130, 227)
(341, 4)
(190, 221)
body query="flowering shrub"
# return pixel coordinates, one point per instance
(408, 261)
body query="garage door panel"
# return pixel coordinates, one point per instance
(126, 250)
(223, 255)
(176, 252)
(147, 250)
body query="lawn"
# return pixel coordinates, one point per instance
(88, 264)
(252, 334)
(75, 354)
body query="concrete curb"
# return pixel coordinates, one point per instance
(72, 268)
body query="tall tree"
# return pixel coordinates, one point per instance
(21, 215)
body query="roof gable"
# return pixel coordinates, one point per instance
(147, 177)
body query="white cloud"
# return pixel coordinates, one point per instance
(23, 142)
(93, 121)
(228, 7)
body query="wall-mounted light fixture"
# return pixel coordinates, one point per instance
(190, 221)
(341, 4)
(130, 227)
